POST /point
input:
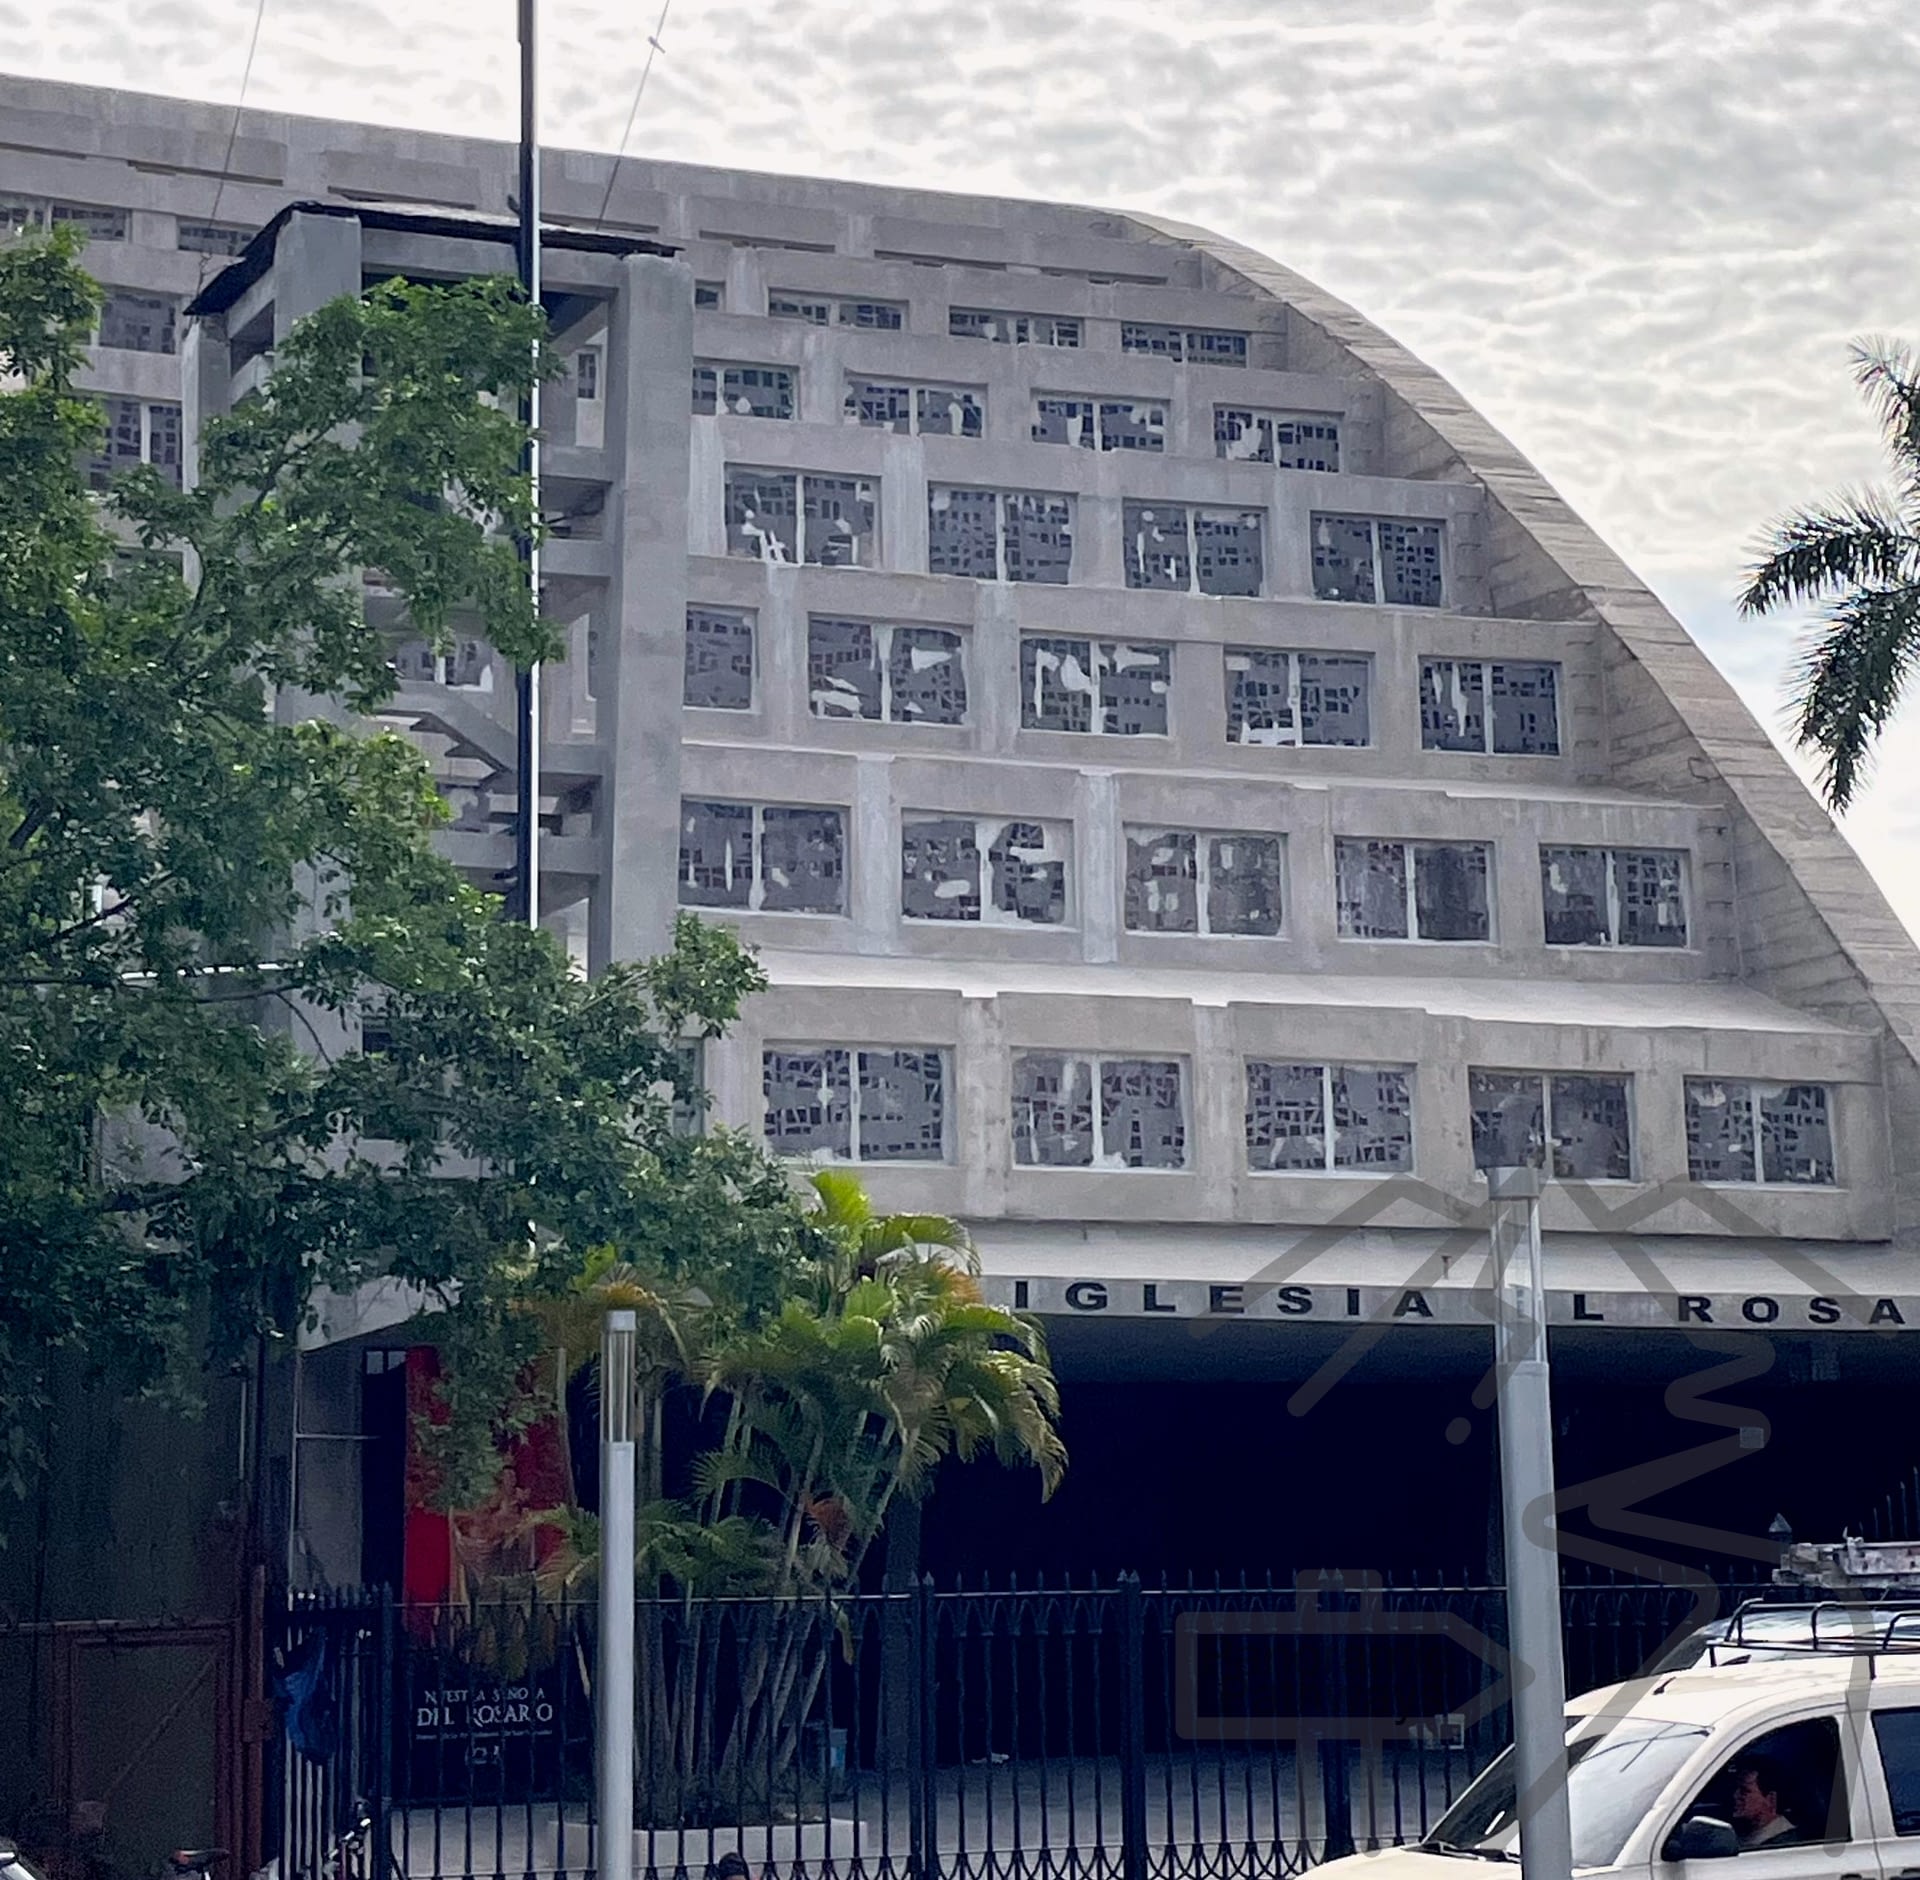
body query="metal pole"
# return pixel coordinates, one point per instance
(1522, 1379)
(614, 1774)
(526, 847)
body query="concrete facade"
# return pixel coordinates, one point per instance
(1144, 970)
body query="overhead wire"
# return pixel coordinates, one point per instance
(233, 130)
(654, 47)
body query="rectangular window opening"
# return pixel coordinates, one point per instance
(999, 872)
(1747, 1131)
(1304, 1118)
(1498, 708)
(1098, 1112)
(773, 858)
(741, 391)
(1286, 698)
(1584, 1118)
(719, 659)
(1183, 550)
(1013, 329)
(809, 516)
(1376, 561)
(999, 535)
(901, 674)
(1613, 897)
(1201, 882)
(1110, 687)
(844, 1105)
(1190, 345)
(1101, 423)
(1389, 890)
(1247, 436)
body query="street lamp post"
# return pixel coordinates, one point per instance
(614, 1772)
(526, 845)
(1522, 1381)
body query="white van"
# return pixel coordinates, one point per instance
(1789, 1769)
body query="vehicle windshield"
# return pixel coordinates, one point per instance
(1616, 1768)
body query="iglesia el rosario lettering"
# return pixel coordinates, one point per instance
(1199, 795)
(1449, 1305)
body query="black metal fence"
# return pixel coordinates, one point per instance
(1118, 1732)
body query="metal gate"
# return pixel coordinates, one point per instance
(1104, 1732)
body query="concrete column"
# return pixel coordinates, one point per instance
(993, 676)
(317, 259)
(873, 889)
(1214, 1103)
(1099, 864)
(1098, 558)
(206, 368)
(782, 650)
(649, 361)
(983, 1108)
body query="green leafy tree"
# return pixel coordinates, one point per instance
(881, 1363)
(258, 1038)
(1858, 558)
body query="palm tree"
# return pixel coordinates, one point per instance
(883, 1361)
(1859, 554)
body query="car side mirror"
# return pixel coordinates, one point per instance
(1701, 1837)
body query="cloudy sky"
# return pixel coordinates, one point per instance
(1638, 234)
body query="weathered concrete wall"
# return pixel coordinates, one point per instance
(1793, 967)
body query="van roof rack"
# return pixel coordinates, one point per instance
(1841, 1627)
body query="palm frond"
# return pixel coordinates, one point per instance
(1849, 679)
(1859, 539)
(1888, 372)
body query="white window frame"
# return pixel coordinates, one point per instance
(39, 211)
(1380, 567)
(1409, 847)
(986, 831)
(883, 632)
(915, 390)
(1293, 655)
(1100, 660)
(1187, 335)
(148, 406)
(1193, 513)
(139, 293)
(1486, 667)
(1096, 1061)
(1001, 498)
(1203, 841)
(1613, 852)
(1756, 1087)
(799, 557)
(721, 367)
(756, 888)
(1096, 402)
(836, 306)
(855, 1052)
(182, 223)
(1020, 328)
(589, 405)
(1328, 1134)
(1549, 1137)
(1272, 418)
(751, 616)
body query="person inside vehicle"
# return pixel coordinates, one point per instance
(1759, 1815)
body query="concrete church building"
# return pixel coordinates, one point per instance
(1199, 796)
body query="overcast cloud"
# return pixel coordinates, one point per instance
(1637, 236)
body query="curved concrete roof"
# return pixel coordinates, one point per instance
(1797, 870)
